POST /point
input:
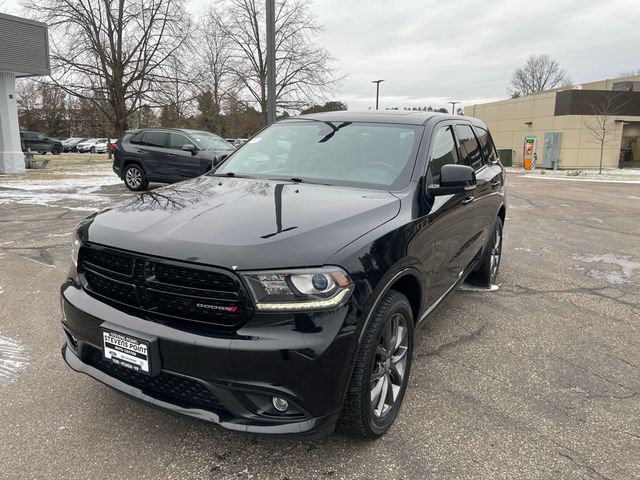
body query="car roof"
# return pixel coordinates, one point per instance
(404, 117)
(170, 129)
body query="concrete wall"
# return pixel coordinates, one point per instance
(11, 157)
(511, 120)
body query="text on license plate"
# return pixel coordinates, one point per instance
(126, 351)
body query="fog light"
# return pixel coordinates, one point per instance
(280, 404)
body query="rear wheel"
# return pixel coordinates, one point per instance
(92, 150)
(135, 178)
(487, 273)
(381, 369)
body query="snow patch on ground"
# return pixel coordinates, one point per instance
(86, 192)
(622, 271)
(13, 360)
(466, 287)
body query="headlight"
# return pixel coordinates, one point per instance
(75, 249)
(299, 290)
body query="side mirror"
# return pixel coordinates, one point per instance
(189, 147)
(453, 179)
(219, 159)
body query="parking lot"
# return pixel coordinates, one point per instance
(537, 379)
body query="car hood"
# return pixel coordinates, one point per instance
(242, 224)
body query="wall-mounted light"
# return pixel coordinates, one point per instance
(528, 124)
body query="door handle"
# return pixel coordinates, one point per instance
(496, 184)
(467, 200)
(170, 155)
(141, 151)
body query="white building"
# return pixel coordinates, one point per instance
(24, 52)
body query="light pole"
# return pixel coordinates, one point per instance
(453, 106)
(271, 61)
(377, 82)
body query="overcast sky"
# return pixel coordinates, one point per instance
(432, 51)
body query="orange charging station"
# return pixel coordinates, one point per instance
(530, 156)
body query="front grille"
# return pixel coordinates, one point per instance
(166, 386)
(163, 290)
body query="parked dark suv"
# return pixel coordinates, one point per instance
(280, 293)
(40, 143)
(166, 155)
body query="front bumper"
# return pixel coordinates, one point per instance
(303, 358)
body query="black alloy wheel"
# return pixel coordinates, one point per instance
(381, 371)
(487, 273)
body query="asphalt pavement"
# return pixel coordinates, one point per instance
(537, 379)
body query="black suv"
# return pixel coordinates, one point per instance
(40, 143)
(166, 155)
(280, 293)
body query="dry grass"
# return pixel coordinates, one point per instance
(68, 165)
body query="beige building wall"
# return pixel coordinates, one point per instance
(512, 120)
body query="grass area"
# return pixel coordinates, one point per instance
(65, 159)
(68, 165)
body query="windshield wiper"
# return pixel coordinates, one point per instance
(230, 174)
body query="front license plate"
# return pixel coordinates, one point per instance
(126, 351)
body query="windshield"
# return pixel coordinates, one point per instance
(375, 154)
(209, 141)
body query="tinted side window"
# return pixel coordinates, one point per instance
(155, 139)
(137, 139)
(444, 152)
(486, 143)
(470, 147)
(176, 141)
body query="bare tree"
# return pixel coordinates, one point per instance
(601, 125)
(303, 69)
(214, 79)
(175, 89)
(109, 52)
(539, 72)
(41, 106)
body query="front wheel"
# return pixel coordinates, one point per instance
(381, 369)
(56, 150)
(92, 150)
(135, 178)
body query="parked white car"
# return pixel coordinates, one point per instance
(92, 145)
(103, 146)
(84, 147)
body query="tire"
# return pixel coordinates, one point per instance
(487, 272)
(56, 149)
(92, 150)
(135, 178)
(365, 413)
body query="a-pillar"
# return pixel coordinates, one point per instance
(11, 157)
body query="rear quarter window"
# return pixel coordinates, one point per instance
(486, 144)
(137, 139)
